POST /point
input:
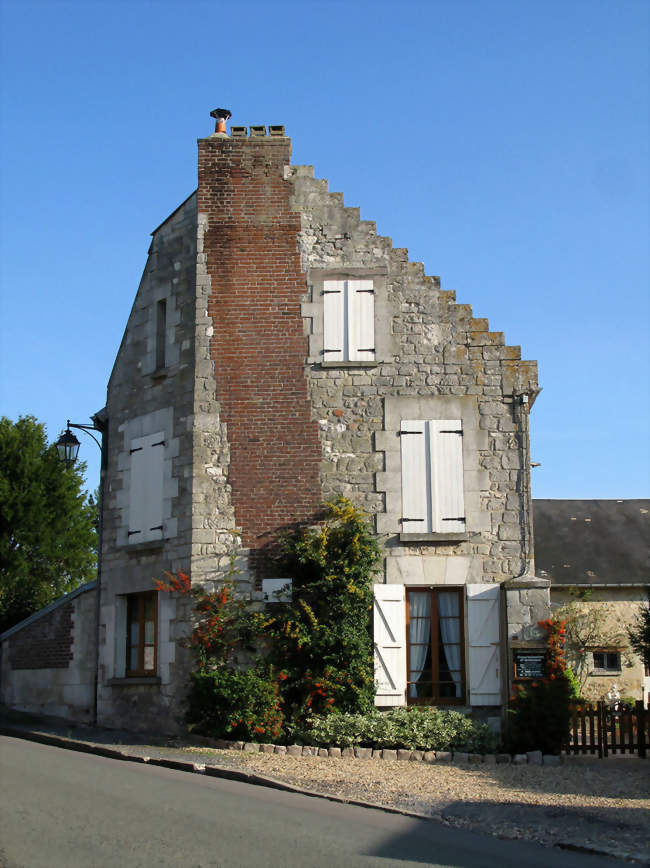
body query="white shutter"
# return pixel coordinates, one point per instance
(448, 502)
(389, 624)
(334, 316)
(361, 320)
(484, 630)
(146, 488)
(415, 477)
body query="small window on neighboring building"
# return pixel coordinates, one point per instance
(161, 333)
(607, 660)
(348, 321)
(141, 633)
(435, 646)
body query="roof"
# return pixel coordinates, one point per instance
(592, 542)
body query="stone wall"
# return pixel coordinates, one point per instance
(611, 611)
(434, 358)
(146, 398)
(48, 663)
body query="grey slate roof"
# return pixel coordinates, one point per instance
(592, 542)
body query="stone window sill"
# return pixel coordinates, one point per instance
(153, 545)
(160, 374)
(153, 680)
(606, 672)
(360, 364)
(434, 537)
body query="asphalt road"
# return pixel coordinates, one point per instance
(62, 809)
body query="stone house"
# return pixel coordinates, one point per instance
(280, 353)
(595, 553)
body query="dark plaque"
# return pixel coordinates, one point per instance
(529, 664)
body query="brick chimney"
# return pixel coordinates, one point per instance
(258, 346)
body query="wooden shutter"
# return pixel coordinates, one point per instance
(361, 320)
(334, 316)
(484, 631)
(415, 477)
(389, 624)
(448, 502)
(146, 488)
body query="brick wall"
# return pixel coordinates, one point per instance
(45, 644)
(258, 346)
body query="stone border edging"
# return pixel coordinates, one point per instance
(533, 757)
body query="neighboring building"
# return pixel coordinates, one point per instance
(280, 353)
(595, 552)
(48, 661)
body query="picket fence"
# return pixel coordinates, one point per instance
(602, 729)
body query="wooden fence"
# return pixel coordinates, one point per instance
(603, 730)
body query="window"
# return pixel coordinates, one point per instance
(141, 633)
(348, 321)
(432, 476)
(435, 646)
(146, 488)
(161, 333)
(607, 660)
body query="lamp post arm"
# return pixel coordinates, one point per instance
(87, 429)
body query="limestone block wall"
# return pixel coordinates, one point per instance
(433, 357)
(48, 662)
(151, 390)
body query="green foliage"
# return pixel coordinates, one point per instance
(411, 728)
(48, 541)
(321, 640)
(575, 688)
(539, 714)
(639, 631)
(235, 703)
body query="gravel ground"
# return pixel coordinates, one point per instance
(601, 805)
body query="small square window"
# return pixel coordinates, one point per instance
(607, 660)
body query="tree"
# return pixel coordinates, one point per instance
(639, 631)
(48, 539)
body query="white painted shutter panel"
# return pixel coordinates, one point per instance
(389, 624)
(415, 476)
(361, 320)
(334, 344)
(146, 488)
(484, 631)
(448, 501)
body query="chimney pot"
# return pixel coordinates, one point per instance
(220, 115)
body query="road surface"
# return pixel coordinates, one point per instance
(63, 809)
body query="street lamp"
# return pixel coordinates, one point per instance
(68, 446)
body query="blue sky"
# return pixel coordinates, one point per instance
(504, 142)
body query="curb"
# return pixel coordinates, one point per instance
(260, 780)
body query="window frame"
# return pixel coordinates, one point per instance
(606, 653)
(435, 698)
(140, 600)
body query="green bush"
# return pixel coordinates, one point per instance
(235, 703)
(410, 728)
(321, 639)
